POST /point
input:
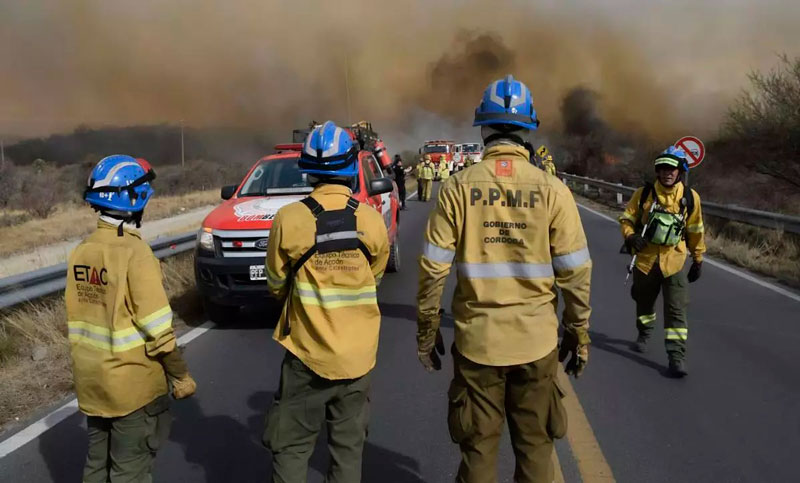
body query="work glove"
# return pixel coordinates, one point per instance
(695, 272)
(430, 342)
(183, 387)
(570, 345)
(636, 242)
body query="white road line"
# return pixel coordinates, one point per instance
(411, 195)
(770, 286)
(36, 429)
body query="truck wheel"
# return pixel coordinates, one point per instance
(218, 313)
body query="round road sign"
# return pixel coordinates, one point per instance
(695, 150)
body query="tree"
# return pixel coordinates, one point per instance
(765, 121)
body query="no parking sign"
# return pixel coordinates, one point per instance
(694, 148)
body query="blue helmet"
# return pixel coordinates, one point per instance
(507, 101)
(329, 151)
(672, 156)
(120, 183)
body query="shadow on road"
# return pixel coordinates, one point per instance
(624, 348)
(63, 449)
(226, 449)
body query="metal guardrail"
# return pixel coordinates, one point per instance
(765, 219)
(28, 286)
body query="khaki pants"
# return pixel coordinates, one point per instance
(304, 402)
(426, 185)
(675, 290)
(122, 450)
(481, 398)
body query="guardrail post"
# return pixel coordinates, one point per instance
(619, 195)
(585, 188)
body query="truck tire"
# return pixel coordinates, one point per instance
(393, 265)
(220, 314)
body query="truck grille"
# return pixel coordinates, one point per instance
(241, 243)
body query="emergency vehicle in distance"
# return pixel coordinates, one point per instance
(232, 242)
(440, 151)
(466, 152)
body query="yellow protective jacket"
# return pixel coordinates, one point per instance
(513, 232)
(119, 322)
(427, 171)
(549, 167)
(671, 259)
(444, 171)
(332, 309)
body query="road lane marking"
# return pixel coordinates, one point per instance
(558, 476)
(36, 429)
(770, 286)
(592, 464)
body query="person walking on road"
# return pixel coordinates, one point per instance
(444, 171)
(400, 179)
(515, 234)
(673, 217)
(325, 257)
(119, 321)
(549, 165)
(427, 172)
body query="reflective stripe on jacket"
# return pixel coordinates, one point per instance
(671, 259)
(512, 232)
(333, 312)
(119, 322)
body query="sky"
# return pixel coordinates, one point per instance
(415, 68)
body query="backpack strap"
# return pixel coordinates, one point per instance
(647, 190)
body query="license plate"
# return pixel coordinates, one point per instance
(257, 272)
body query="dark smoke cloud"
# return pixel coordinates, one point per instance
(411, 67)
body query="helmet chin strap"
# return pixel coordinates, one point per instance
(134, 218)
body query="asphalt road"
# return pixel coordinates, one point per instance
(735, 418)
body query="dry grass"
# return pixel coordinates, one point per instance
(27, 385)
(71, 221)
(767, 252)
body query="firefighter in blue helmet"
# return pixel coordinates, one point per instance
(325, 258)
(515, 234)
(122, 345)
(662, 223)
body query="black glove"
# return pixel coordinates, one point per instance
(580, 354)
(636, 242)
(695, 272)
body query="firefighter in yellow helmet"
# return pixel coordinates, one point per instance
(120, 329)
(549, 165)
(444, 170)
(514, 234)
(662, 222)
(427, 172)
(326, 255)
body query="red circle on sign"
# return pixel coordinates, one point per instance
(694, 148)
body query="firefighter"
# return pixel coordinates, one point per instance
(325, 258)
(400, 179)
(444, 170)
(514, 234)
(122, 344)
(674, 224)
(427, 172)
(549, 165)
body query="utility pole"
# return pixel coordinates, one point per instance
(347, 88)
(183, 160)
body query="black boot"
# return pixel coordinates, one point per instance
(677, 368)
(641, 344)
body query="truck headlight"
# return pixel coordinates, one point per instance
(205, 240)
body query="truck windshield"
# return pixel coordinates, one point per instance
(278, 176)
(472, 148)
(436, 148)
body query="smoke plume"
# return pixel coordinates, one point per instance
(416, 69)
